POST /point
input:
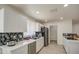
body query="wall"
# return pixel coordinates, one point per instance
(76, 28)
(64, 26)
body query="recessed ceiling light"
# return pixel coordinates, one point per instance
(37, 12)
(65, 5)
(61, 18)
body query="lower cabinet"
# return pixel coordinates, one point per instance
(20, 50)
(39, 44)
(71, 46)
(0, 51)
(26, 49)
(32, 48)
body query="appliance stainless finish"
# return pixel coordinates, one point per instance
(44, 31)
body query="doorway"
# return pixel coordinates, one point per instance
(53, 34)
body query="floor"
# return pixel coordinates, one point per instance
(53, 48)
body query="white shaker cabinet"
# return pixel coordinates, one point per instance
(71, 46)
(20, 50)
(39, 44)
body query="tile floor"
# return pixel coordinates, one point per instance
(53, 48)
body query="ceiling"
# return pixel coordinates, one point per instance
(50, 12)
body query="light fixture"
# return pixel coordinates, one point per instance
(61, 18)
(65, 5)
(37, 12)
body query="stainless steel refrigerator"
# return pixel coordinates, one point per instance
(44, 31)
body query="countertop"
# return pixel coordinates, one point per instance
(19, 44)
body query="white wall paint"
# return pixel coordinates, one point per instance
(76, 28)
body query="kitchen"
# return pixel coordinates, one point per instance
(17, 32)
(25, 34)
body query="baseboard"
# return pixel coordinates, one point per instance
(53, 41)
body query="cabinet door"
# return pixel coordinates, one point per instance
(2, 20)
(32, 48)
(0, 51)
(14, 21)
(39, 44)
(20, 50)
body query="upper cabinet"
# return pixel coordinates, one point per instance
(11, 20)
(38, 26)
(1, 19)
(14, 22)
(33, 27)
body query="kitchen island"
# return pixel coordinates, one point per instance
(71, 46)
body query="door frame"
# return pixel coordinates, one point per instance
(49, 33)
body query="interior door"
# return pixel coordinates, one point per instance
(53, 32)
